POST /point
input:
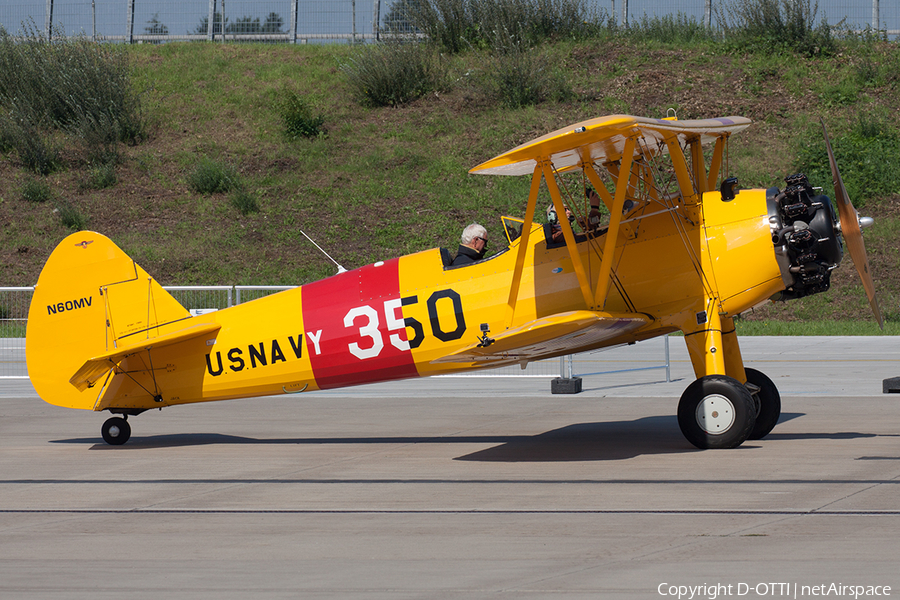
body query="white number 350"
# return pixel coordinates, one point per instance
(370, 329)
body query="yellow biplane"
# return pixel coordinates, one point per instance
(680, 252)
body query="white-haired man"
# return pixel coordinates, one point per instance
(473, 243)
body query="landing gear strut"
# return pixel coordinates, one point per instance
(116, 431)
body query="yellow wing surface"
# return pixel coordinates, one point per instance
(604, 139)
(550, 336)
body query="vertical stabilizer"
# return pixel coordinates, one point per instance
(90, 299)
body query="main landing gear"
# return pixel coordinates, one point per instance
(717, 411)
(116, 431)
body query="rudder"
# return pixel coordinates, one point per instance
(90, 299)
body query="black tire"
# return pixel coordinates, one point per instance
(116, 431)
(716, 411)
(769, 401)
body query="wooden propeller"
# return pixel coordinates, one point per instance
(851, 231)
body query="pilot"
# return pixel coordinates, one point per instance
(594, 217)
(472, 246)
(591, 224)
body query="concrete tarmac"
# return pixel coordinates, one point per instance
(475, 487)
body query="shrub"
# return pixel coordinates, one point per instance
(70, 216)
(36, 190)
(100, 177)
(393, 73)
(36, 148)
(72, 84)
(297, 117)
(774, 26)
(669, 29)
(518, 76)
(211, 177)
(455, 25)
(245, 202)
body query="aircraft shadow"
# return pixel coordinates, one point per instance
(616, 440)
(613, 440)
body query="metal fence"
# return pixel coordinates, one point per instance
(15, 301)
(303, 21)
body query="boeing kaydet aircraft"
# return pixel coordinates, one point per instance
(677, 254)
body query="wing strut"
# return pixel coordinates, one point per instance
(615, 219)
(523, 244)
(569, 235)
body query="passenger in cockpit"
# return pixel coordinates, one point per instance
(473, 245)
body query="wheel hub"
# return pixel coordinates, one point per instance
(715, 414)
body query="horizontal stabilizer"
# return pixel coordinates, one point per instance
(95, 368)
(551, 336)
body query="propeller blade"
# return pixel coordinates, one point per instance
(851, 231)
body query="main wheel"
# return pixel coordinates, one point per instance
(769, 401)
(116, 431)
(716, 411)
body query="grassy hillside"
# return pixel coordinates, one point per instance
(384, 181)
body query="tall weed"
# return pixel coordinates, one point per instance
(298, 118)
(393, 73)
(72, 85)
(670, 29)
(211, 177)
(456, 25)
(775, 26)
(519, 76)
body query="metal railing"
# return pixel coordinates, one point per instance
(15, 302)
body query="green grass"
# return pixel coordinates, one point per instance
(387, 181)
(815, 328)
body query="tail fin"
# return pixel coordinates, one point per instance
(90, 300)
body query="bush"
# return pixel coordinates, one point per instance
(211, 177)
(245, 202)
(775, 26)
(297, 117)
(669, 29)
(73, 85)
(37, 150)
(71, 217)
(455, 25)
(101, 177)
(36, 190)
(518, 76)
(393, 73)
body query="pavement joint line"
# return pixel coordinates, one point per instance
(463, 511)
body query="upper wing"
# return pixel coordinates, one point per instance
(603, 139)
(551, 336)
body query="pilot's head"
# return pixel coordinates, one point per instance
(552, 217)
(475, 236)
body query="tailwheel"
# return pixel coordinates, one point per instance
(769, 401)
(716, 411)
(116, 431)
